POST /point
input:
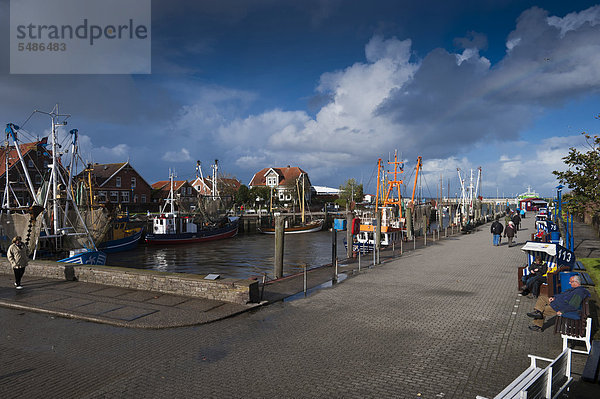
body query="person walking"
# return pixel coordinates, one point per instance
(510, 232)
(496, 231)
(516, 219)
(17, 255)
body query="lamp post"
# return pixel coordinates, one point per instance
(558, 194)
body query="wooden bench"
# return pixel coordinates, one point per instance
(576, 329)
(537, 382)
(590, 371)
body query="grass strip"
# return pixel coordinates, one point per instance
(592, 267)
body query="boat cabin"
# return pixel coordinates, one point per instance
(170, 223)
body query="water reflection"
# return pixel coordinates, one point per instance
(242, 256)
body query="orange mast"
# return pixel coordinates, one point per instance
(395, 183)
(416, 177)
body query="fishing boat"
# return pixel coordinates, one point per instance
(62, 229)
(316, 225)
(172, 228)
(121, 237)
(392, 221)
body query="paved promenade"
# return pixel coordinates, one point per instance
(440, 322)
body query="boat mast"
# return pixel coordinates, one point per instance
(11, 129)
(378, 184)
(6, 197)
(215, 169)
(71, 165)
(171, 199)
(395, 183)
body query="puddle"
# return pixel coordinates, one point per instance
(328, 284)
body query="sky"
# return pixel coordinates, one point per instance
(333, 85)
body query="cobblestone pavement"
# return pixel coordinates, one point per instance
(439, 322)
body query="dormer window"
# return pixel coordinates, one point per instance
(271, 181)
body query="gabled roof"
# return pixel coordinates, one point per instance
(104, 172)
(287, 175)
(165, 185)
(206, 182)
(13, 156)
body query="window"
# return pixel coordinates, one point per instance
(133, 182)
(114, 196)
(143, 198)
(135, 198)
(38, 179)
(30, 164)
(281, 196)
(271, 181)
(101, 196)
(189, 191)
(183, 191)
(118, 181)
(124, 196)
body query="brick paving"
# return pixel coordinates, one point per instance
(440, 322)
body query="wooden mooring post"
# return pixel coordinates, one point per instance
(350, 244)
(334, 253)
(279, 243)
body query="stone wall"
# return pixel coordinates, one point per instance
(191, 285)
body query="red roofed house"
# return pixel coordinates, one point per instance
(36, 159)
(283, 182)
(225, 186)
(182, 190)
(117, 183)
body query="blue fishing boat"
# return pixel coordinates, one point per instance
(125, 243)
(85, 257)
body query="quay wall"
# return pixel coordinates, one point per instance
(191, 285)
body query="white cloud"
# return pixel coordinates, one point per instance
(576, 20)
(182, 155)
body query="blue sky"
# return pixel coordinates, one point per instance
(332, 85)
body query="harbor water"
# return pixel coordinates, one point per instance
(243, 256)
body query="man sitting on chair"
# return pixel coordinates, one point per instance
(568, 301)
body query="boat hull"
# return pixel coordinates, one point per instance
(190, 238)
(86, 258)
(122, 244)
(312, 227)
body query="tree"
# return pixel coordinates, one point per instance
(583, 176)
(351, 191)
(242, 195)
(260, 195)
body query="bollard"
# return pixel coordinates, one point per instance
(401, 244)
(359, 259)
(305, 280)
(425, 242)
(414, 242)
(279, 243)
(334, 254)
(446, 232)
